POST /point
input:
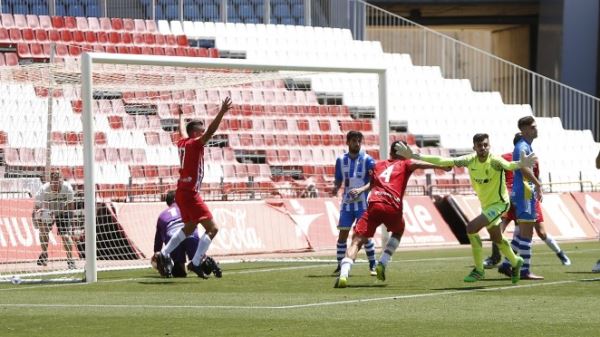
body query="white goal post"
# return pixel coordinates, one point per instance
(87, 89)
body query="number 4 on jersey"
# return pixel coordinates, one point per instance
(386, 175)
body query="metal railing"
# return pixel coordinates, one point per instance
(485, 71)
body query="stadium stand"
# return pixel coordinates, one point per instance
(294, 133)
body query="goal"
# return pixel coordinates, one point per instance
(120, 157)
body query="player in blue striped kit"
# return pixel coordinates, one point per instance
(352, 172)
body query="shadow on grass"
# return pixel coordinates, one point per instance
(321, 276)
(374, 285)
(459, 288)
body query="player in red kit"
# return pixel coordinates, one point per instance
(192, 207)
(388, 183)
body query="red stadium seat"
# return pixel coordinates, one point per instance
(127, 38)
(147, 50)
(53, 35)
(15, 35)
(37, 51)
(41, 35)
(149, 38)
(70, 23)
(128, 25)
(78, 36)
(138, 38)
(66, 36)
(213, 52)
(160, 39)
(182, 40)
(4, 35)
(23, 50)
(58, 22)
(116, 23)
(2, 60)
(90, 37)
(75, 51)
(111, 49)
(61, 50)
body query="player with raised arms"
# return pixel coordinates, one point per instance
(487, 178)
(193, 209)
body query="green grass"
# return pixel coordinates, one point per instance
(424, 295)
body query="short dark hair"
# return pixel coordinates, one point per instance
(170, 197)
(480, 137)
(517, 138)
(354, 134)
(194, 125)
(525, 121)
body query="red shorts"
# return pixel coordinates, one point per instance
(377, 214)
(191, 206)
(510, 215)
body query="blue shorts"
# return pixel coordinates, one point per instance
(186, 248)
(525, 210)
(348, 218)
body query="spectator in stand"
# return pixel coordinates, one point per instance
(54, 204)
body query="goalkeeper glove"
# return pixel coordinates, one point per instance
(527, 160)
(403, 150)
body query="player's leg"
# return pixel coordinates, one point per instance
(346, 264)
(344, 226)
(495, 258)
(43, 231)
(65, 231)
(369, 247)
(178, 256)
(473, 228)
(364, 229)
(395, 224)
(526, 219)
(515, 262)
(204, 242)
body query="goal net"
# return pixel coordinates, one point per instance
(279, 141)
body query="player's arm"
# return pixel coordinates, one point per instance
(526, 161)
(182, 130)
(214, 125)
(339, 178)
(355, 192)
(418, 164)
(437, 161)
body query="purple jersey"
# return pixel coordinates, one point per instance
(168, 224)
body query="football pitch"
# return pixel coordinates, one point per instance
(424, 295)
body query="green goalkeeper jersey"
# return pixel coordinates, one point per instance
(487, 177)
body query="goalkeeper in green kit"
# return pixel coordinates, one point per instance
(487, 178)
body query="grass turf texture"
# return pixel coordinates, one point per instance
(424, 295)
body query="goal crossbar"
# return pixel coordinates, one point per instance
(87, 61)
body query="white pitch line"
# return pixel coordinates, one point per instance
(295, 306)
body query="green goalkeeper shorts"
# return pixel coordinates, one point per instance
(494, 211)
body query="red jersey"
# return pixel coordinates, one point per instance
(509, 174)
(388, 182)
(191, 159)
